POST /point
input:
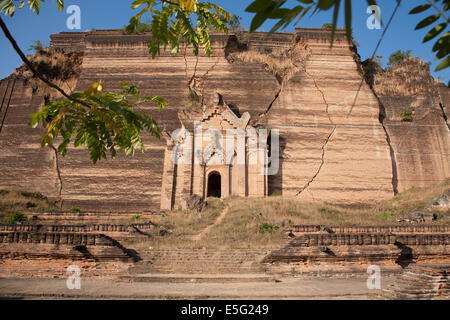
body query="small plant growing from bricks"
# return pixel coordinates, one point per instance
(17, 217)
(406, 115)
(75, 209)
(135, 217)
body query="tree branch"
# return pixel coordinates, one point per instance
(31, 67)
(442, 14)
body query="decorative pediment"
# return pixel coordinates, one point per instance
(219, 116)
(221, 112)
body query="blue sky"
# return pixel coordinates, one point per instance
(27, 27)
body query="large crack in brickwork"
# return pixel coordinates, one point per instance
(327, 140)
(269, 107)
(196, 84)
(381, 118)
(58, 175)
(444, 115)
(200, 84)
(283, 66)
(282, 63)
(323, 96)
(322, 162)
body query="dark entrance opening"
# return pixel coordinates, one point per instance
(214, 185)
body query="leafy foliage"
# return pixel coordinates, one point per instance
(36, 46)
(406, 115)
(113, 121)
(172, 21)
(235, 23)
(141, 27)
(398, 56)
(107, 122)
(75, 210)
(135, 217)
(272, 9)
(388, 215)
(442, 45)
(17, 217)
(268, 227)
(9, 6)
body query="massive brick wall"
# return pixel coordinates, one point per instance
(331, 151)
(335, 147)
(24, 165)
(421, 147)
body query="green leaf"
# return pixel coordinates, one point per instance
(444, 64)
(348, 19)
(279, 13)
(335, 17)
(258, 5)
(427, 21)
(443, 41)
(35, 5)
(305, 11)
(420, 8)
(258, 20)
(325, 4)
(8, 7)
(60, 5)
(435, 31)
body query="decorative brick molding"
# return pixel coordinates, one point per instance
(56, 238)
(76, 228)
(374, 229)
(362, 239)
(64, 245)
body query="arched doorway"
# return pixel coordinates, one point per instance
(214, 185)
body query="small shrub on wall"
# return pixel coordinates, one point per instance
(17, 217)
(406, 115)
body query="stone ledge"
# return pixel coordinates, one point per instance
(363, 239)
(371, 229)
(76, 228)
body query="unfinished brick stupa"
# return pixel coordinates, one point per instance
(341, 134)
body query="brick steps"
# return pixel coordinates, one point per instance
(196, 278)
(421, 282)
(199, 262)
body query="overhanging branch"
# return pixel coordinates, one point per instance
(31, 67)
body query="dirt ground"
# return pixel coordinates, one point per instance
(317, 289)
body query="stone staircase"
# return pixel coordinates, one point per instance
(421, 281)
(197, 265)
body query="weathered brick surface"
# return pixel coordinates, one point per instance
(373, 229)
(197, 261)
(421, 281)
(363, 239)
(352, 252)
(356, 166)
(63, 245)
(76, 228)
(45, 267)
